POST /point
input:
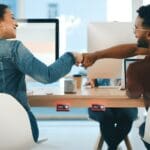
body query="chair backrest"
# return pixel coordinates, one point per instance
(146, 137)
(15, 128)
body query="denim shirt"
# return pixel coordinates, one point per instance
(16, 61)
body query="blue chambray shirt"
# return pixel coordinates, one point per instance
(16, 61)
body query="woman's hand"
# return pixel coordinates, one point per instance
(78, 57)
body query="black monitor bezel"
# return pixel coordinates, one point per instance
(49, 20)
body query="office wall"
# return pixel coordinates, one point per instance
(12, 4)
(77, 14)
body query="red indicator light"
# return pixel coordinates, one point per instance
(97, 107)
(62, 107)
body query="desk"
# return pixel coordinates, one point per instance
(85, 97)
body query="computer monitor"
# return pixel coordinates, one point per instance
(104, 35)
(41, 37)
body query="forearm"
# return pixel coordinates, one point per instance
(28, 64)
(120, 51)
(58, 69)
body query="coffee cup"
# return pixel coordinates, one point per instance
(78, 79)
(69, 86)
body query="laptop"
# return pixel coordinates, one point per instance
(127, 62)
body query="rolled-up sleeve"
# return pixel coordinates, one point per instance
(28, 64)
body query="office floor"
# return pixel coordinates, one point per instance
(79, 135)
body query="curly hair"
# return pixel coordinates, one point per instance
(144, 13)
(2, 10)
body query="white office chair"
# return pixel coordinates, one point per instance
(15, 128)
(146, 137)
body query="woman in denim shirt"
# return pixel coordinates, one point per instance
(16, 61)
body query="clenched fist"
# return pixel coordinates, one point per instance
(78, 57)
(89, 59)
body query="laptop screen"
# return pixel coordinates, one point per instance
(127, 62)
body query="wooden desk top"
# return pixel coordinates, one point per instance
(85, 97)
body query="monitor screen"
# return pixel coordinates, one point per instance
(41, 37)
(104, 35)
